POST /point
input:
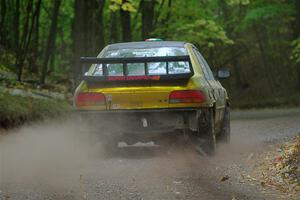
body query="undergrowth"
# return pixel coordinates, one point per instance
(15, 110)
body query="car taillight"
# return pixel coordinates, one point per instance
(186, 96)
(89, 99)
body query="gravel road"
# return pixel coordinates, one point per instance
(54, 160)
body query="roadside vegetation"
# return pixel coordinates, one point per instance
(16, 109)
(279, 168)
(22, 102)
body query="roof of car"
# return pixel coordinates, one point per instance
(138, 45)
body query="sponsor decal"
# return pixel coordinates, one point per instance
(115, 106)
(133, 78)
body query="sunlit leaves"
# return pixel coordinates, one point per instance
(238, 2)
(119, 2)
(127, 5)
(296, 51)
(202, 32)
(114, 7)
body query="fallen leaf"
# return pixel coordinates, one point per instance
(224, 178)
(278, 160)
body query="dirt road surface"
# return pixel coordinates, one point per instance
(56, 160)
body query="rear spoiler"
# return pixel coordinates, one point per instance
(125, 61)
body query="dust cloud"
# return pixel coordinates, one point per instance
(65, 156)
(56, 153)
(51, 153)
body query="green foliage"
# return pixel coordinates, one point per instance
(116, 5)
(296, 51)
(203, 33)
(238, 2)
(267, 12)
(15, 109)
(197, 26)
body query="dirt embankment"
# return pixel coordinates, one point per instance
(17, 109)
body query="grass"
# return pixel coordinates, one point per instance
(16, 110)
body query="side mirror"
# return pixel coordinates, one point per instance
(223, 73)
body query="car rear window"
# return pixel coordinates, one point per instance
(155, 68)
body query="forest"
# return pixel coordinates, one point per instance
(41, 41)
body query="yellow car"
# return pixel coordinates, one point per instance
(144, 91)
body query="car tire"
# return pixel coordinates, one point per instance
(224, 135)
(206, 130)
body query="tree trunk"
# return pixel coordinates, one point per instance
(113, 27)
(135, 18)
(126, 25)
(51, 39)
(35, 48)
(147, 17)
(165, 21)
(297, 36)
(92, 23)
(157, 15)
(16, 26)
(263, 54)
(169, 10)
(229, 29)
(78, 39)
(100, 35)
(21, 55)
(296, 26)
(2, 20)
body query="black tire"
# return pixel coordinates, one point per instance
(224, 135)
(206, 130)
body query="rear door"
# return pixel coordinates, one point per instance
(216, 90)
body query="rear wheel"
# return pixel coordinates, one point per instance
(224, 135)
(206, 130)
(204, 139)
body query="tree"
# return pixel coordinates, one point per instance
(296, 42)
(17, 25)
(51, 39)
(23, 48)
(100, 29)
(125, 23)
(113, 27)
(125, 7)
(229, 27)
(263, 19)
(35, 46)
(2, 17)
(147, 17)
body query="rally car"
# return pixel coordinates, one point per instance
(144, 91)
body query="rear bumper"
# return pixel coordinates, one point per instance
(137, 111)
(146, 121)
